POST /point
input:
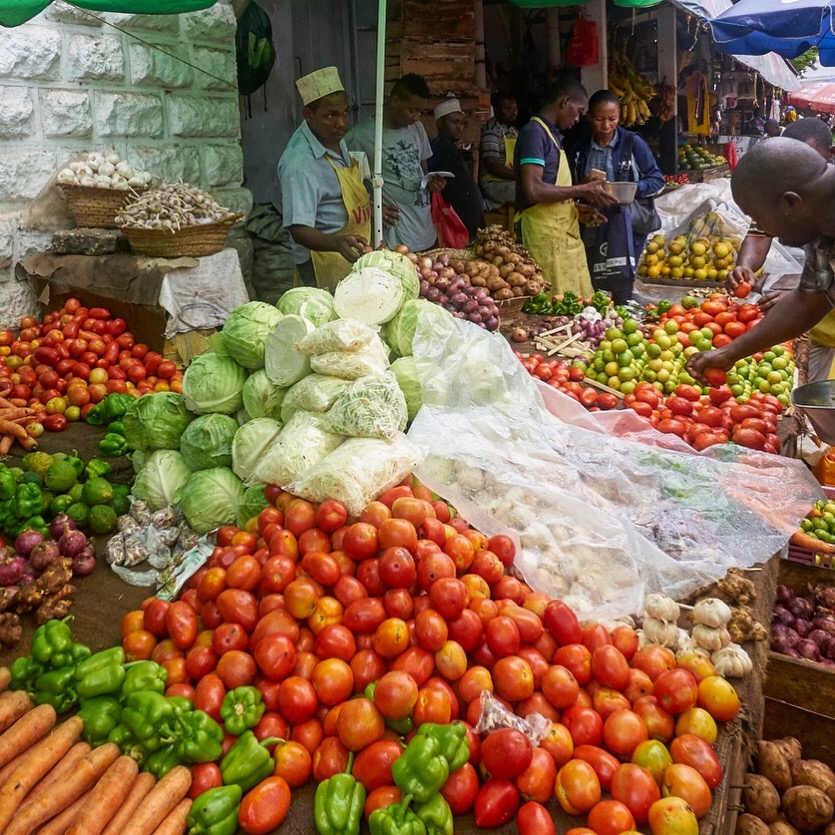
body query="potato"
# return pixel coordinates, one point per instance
(807, 808)
(472, 269)
(812, 773)
(519, 291)
(830, 830)
(517, 280)
(790, 748)
(748, 824)
(773, 766)
(503, 295)
(760, 798)
(478, 281)
(533, 288)
(783, 828)
(506, 270)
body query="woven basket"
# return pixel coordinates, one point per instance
(511, 307)
(93, 207)
(454, 254)
(196, 241)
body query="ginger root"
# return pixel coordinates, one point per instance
(10, 629)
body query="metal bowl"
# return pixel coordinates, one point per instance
(817, 402)
(623, 192)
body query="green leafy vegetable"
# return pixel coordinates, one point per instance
(251, 443)
(213, 384)
(261, 397)
(207, 442)
(162, 476)
(246, 330)
(405, 370)
(252, 503)
(397, 265)
(311, 303)
(211, 498)
(156, 421)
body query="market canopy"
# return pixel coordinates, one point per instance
(15, 12)
(787, 27)
(819, 95)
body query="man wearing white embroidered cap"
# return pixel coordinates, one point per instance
(324, 201)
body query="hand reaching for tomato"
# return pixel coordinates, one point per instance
(710, 366)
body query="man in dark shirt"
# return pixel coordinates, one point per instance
(462, 191)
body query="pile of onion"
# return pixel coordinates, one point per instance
(804, 626)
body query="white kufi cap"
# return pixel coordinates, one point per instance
(319, 84)
(446, 107)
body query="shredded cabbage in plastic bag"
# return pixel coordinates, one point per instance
(302, 443)
(601, 515)
(357, 471)
(339, 335)
(372, 407)
(315, 393)
(351, 365)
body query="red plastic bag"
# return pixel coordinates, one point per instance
(583, 50)
(452, 233)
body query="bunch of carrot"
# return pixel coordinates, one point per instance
(52, 784)
(13, 422)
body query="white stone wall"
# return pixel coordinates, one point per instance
(70, 83)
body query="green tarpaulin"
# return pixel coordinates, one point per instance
(15, 12)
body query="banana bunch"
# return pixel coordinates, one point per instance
(634, 90)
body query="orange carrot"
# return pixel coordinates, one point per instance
(41, 758)
(175, 821)
(162, 798)
(13, 704)
(68, 763)
(11, 765)
(138, 792)
(9, 428)
(61, 823)
(64, 792)
(29, 729)
(5, 677)
(106, 798)
(6, 444)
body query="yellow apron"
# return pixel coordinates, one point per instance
(509, 150)
(551, 233)
(824, 332)
(330, 267)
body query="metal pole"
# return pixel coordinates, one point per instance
(377, 177)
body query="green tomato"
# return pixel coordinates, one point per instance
(630, 326)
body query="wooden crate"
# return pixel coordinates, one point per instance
(798, 694)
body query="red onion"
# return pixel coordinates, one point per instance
(29, 576)
(792, 653)
(824, 622)
(61, 523)
(808, 649)
(819, 637)
(27, 541)
(826, 597)
(11, 571)
(72, 543)
(784, 616)
(43, 554)
(826, 662)
(784, 594)
(492, 323)
(424, 287)
(84, 562)
(802, 627)
(801, 607)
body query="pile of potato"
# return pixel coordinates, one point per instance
(506, 268)
(788, 795)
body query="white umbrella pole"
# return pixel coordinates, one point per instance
(377, 177)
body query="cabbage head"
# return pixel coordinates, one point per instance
(395, 264)
(406, 372)
(211, 498)
(251, 504)
(207, 442)
(251, 443)
(213, 384)
(311, 303)
(245, 333)
(162, 476)
(156, 421)
(400, 331)
(261, 397)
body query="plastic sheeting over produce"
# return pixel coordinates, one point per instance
(605, 509)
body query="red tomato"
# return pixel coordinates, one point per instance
(584, 725)
(264, 807)
(461, 789)
(611, 817)
(182, 624)
(623, 732)
(635, 787)
(372, 766)
(276, 655)
(536, 782)
(695, 752)
(577, 788)
(208, 695)
(534, 819)
(239, 606)
(506, 753)
(603, 763)
(676, 690)
(496, 803)
(562, 623)
(204, 776)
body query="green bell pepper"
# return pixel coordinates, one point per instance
(52, 644)
(421, 770)
(116, 428)
(144, 675)
(162, 761)
(100, 715)
(215, 812)
(151, 718)
(79, 653)
(664, 306)
(28, 501)
(248, 761)
(338, 803)
(101, 674)
(181, 704)
(113, 445)
(199, 738)
(7, 517)
(127, 743)
(242, 708)
(436, 815)
(34, 523)
(8, 484)
(96, 468)
(25, 672)
(452, 742)
(396, 819)
(55, 687)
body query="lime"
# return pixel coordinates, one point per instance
(102, 519)
(612, 333)
(626, 374)
(97, 491)
(611, 368)
(637, 351)
(629, 326)
(120, 504)
(625, 358)
(634, 339)
(653, 350)
(37, 462)
(619, 345)
(60, 504)
(605, 345)
(75, 492)
(769, 355)
(613, 382)
(60, 476)
(778, 350)
(78, 513)
(599, 364)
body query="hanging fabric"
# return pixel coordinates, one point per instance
(583, 47)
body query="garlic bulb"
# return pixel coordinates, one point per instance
(87, 181)
(119, 183)
(107, 169)
(104, 171)
(732, 661)
(102, 181)
(113, 159)
(95, 160)
(660, 632)
(75, 166)
(125, 170)
(661, 607)
(711, 637)
(711, 612)
(66, 176)
(690, 647)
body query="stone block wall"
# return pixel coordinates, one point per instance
(71, 83)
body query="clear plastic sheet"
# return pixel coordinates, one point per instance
(605, 508)
(494, 716)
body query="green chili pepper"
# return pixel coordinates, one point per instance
(200, 738)
(52, 644)
(452, 742)
(396, 819)
(55, 687)
(248, 761)
(101, 715)
(144, 675)
(435, 815)
(215, 812)
(242, 708)
(101, 674)
(421, 770)
(150, 717)
(338, 803)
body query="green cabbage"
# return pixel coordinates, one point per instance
(397, 265)
(246, 330)
(213, 384)
(406, 372)
(211, 498)
(261, 397)
(163, 475)
(207, 442)
(311, 303)
(400, 331)
(373, 407)
(251, 443)
(156, 421)
(252, 503)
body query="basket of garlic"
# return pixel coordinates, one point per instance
(98, 187)
(175, 220)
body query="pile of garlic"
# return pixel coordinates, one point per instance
(170, 207)
(104, 171)
(660, 624)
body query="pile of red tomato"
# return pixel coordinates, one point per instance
(311, 607)
(715, 418)
(567, 379)
(726, 317)
(73, 358)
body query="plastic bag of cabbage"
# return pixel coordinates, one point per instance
(372, 407)
(314, 393)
